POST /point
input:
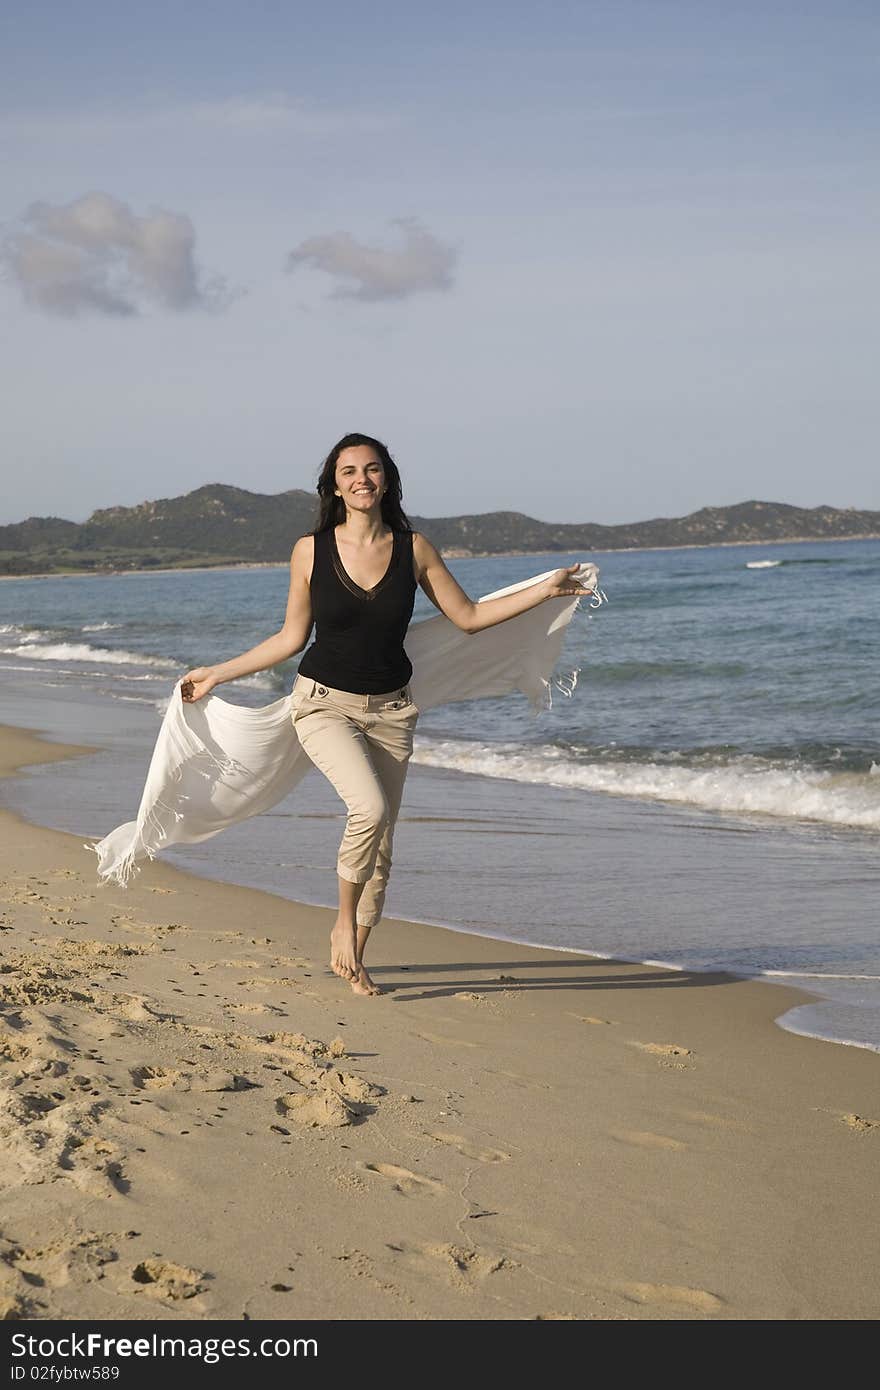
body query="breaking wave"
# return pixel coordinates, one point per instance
(745, 784)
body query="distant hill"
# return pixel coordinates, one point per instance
(220, 525)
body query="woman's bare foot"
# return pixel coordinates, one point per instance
(364, 984)
(343, 946)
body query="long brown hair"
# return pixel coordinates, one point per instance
(332, 508)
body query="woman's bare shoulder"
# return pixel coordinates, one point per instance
(303, 556)
(422, 547)
(424, 553)
(420, 541)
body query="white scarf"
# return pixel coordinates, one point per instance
(216, 764)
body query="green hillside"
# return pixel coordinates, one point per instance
(221, 525)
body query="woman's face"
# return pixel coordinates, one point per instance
(360, 478)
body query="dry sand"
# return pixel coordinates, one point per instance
(199, 1120)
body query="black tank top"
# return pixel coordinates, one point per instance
(359, 633)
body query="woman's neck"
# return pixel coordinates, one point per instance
(363, 530)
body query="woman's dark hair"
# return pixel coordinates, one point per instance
(332, 508)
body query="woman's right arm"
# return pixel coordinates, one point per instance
(290, 638)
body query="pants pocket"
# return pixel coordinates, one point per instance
(403, 702)
(300, 703)
(404, 708)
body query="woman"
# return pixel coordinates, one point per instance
(355, 578)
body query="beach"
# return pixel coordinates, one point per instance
(200, 1121)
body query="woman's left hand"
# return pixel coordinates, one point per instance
(561, 585)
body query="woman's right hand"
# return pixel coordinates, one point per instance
(198, 682)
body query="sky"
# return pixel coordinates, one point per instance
(587, 261)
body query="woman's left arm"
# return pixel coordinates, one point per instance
(446, 593)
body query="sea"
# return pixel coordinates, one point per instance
(704, 794)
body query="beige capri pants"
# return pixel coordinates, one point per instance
(362, 744)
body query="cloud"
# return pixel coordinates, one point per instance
(96, 255)
(423, 263)
(278, 111)
(260, 114)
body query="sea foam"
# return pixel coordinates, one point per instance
(743, 786)
(82, 651)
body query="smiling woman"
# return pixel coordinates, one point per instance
(354, 577)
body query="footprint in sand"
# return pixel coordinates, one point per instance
(856, 1124)
(165, 1279)
(156, 929)
(469, 1148)
(210, 1081)
(93, 1164)
(589, 1018)
(316, 1047)
(463, 1266)
(84, 957)
(696, 1300)
(325, 1109)
(322, 1079)
(667, 1054)
(33, 1053)
(269, 982)
(44, 1138)
(76, 1258)
(349, 1085)
(27, 981)
(646, 1139)
(283, 1045)
(149, 1078)
(25, 1107)
(403, 1181)
(466, 1264)
(135, 1009)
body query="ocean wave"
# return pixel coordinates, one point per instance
(823, 1033)
(27, 634)
(816, 975)
(82, 651)
(79, 673)
(800, 560)
(811, 756)
(100, 627)
(262, 680)
(746, 785)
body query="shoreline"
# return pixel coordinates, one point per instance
(808, 996)
(447, 554)
(511, 1133)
